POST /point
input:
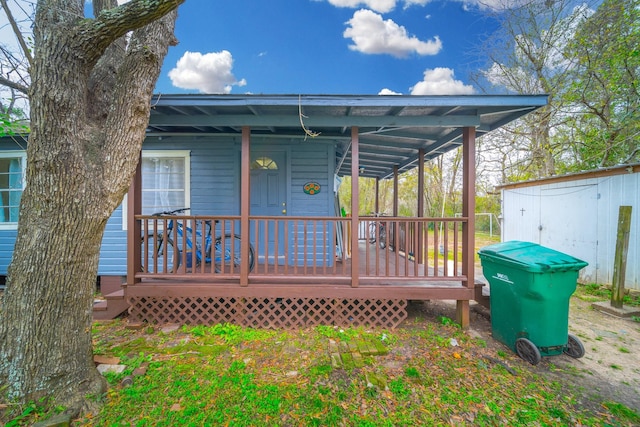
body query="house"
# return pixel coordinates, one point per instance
(263, 167)
(578, 214)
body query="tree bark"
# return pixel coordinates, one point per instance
(90, 102)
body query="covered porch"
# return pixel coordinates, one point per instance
(286, 270)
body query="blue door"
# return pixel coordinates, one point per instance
(269, 198)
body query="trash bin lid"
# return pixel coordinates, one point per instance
(530, 257)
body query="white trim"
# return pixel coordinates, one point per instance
(22, 155)
(186, 154)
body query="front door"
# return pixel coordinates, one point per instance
(268, 198)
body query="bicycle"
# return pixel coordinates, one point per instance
(226, 249)
(378, 232)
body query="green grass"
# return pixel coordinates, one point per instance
(593, 292)
(229, 375)
(622, 412)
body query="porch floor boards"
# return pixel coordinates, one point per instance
(269, 280)
(375, 267)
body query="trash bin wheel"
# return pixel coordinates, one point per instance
(528, 351)
(574, 348)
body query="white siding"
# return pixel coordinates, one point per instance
(579, 218)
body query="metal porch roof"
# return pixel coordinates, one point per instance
(392, 129)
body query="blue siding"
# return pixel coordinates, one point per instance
(215, 175)
(215, 178)
(7, 241)
(215, 190)
(113, 253)
(312, 162)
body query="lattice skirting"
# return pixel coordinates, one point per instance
(274, 313)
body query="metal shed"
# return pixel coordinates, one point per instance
(578, 214)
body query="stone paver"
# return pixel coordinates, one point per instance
(349, 354)
(60, 420)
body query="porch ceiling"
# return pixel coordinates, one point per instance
(392, 129)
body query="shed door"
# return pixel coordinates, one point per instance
(568, 220)
(268, 198)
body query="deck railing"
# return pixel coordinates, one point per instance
(307, 249)
(182, 247)
(412, 248)
(300, 246)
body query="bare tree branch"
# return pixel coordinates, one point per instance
(111, 24)
(14, 85)
(18, 33)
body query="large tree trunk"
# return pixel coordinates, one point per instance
(90, 102)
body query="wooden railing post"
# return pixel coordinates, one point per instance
(355, 205)
(245, 190)
(419, 254)
(394, 228)
(468, 211)
(134, 207)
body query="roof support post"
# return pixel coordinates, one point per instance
(376, 207)
(468, 212)
(394, 225)
(134, 231)
(245, 191)
(420, 210)
(395, 190)
(355, 203)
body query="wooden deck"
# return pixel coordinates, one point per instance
(296, 294)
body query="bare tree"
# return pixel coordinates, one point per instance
(90, 93)
(14, 69)
(526, 56)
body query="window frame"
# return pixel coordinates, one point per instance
(22, 155)
(186, 155)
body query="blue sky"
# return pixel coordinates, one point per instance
(325, 47)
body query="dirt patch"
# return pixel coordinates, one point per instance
(609, 370)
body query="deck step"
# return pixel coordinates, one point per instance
(480, 296)
(117, 295)
(100, 306)
(113, 305)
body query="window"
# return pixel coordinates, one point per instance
(165, 180)
(264, 163)
(12, 180)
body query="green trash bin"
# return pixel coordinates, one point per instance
(530, 287)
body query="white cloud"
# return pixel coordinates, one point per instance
(386, 91)
(208, 73)
(371, 34)
(440, 81)
(382, 6)
(409, 3)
